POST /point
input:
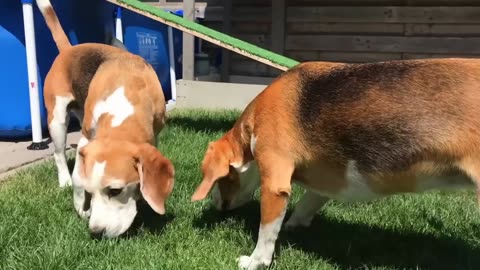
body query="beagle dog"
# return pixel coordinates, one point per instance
(119, 101)
(351, 132)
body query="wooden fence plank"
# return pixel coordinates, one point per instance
(382, 14)
(239, 14)
(345, 28)
(383, 44)
(350, 57)
(243, 27)
(442, 3)
(432, 55)
(442, 30)
(188, 55)
(251, 27)
(234, 2)
(278, 26)
(226, 56)
(345, 2)
(385, 14)
(252, 68)
(277, 41)
(261, 40)
(383, 3)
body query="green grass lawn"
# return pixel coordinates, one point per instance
(40, 230)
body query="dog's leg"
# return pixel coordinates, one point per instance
(275, 190)
(471, 167)
(81, 202)
(58, 132)
(305, 210)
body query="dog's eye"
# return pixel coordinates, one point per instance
(112, 192)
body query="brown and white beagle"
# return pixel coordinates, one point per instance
(348, 132)
(118, 99)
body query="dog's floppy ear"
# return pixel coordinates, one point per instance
(215, 165)
(156, 176)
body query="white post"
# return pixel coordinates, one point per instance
(37, 139)
(173, 80)
(118, 25)
(188, 56)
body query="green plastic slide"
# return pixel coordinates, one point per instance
(201, 31)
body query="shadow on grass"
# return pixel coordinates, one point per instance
(149, 220)
(357, 246)
(73, 127)
(202, 124)
(70, 164)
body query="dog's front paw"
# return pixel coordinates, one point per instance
(79, 207)
(296, 222)
(85, 215)
(249, 263)
(64, 181)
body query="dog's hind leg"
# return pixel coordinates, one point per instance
(81, 199)
(276, 173)
(305, 210)
(471, 167)
(57, 127)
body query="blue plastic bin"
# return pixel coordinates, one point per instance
(14, 90)
(149, 39)
(83, 21)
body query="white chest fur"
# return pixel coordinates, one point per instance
(358, 186)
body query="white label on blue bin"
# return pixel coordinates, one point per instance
(148, 48)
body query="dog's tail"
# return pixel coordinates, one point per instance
(53, 24)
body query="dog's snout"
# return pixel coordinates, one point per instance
(96, 232)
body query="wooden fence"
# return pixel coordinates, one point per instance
(348, 30)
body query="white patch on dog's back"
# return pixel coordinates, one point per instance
(116, 105)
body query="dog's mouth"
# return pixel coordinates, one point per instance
(145, 218)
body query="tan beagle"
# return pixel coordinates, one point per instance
(119, 100)
(349, 132)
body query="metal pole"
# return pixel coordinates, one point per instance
(118, 25)
(173, 81)
(37, 139)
